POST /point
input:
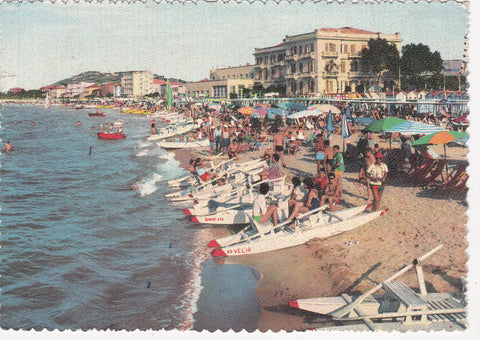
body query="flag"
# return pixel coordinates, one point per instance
(169, 95)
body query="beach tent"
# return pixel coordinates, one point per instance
(414, 128)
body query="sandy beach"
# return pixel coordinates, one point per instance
(418, 220)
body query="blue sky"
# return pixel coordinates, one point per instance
(44, 42)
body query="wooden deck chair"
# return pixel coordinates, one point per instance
(421, 170)
(434, 173)
(452, 178)
(460, 187)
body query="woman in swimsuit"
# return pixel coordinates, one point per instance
(312, 202)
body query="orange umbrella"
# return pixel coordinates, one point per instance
(246, 110)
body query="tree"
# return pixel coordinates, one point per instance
(258, 89)
(418, 63)
(380, 57)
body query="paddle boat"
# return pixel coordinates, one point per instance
(260, 238)
(97, 114)
(183, 145)
(406, 309)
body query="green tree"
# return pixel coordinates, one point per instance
(258, 89)
(380, 57)
(418, 61)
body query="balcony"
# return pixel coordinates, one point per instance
(309, 55)
(291, 76)
(293, 57)
(278, 63)
(328, 54)
(307, 75)
(330, 74)
(354, 54)
(352, 74)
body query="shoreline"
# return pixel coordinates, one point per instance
(416, 223)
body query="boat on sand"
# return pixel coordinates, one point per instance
(314, 224)
(402, 306)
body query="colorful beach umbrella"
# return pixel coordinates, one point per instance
(246, 110)
(414, 128)
(384, 124)
(261, 111)
(325, 108)
(441, 137)
(305, 113)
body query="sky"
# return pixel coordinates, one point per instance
(42, 43)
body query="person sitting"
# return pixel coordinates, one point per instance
(312, 202)
(273, 171)
(199, 169)
(261, 213)
(298, 194)
(232, 149)
(321, 181)
(332, 191)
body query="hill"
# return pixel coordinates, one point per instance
(100, 78)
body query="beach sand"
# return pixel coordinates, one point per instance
(353, 262)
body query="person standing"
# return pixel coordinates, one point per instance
(278, 145)
(153, 126)
(338, 166)
(225, 139)
(328, 156)
(218, 138)
(320, 153)
(369, 159)
(260, 212)
(377, 173)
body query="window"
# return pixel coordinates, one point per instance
(265, 60)
(311, 48)
(295, 50)
(300, 68)
(300, 50)
(352, 48)
(342, 66)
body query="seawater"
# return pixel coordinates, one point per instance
(88, 240)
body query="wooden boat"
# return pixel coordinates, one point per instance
(78, 107)
(96, 114)
(173, 130)
(111, 135)
(184, 145)
(399, 303)
(314, 224)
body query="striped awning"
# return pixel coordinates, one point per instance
(414, 128)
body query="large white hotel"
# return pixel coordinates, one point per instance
(319, 62)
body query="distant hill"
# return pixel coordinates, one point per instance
(101, 77)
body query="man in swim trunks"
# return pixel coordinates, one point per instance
(328, 156)
(278, 142)
(260, 212)
(377, 173)
(153, 126)
(8, 147)
(338, 165)
(320, 153)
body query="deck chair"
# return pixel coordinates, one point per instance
(310, 141)
(460, 187)
(421, 170)
(432, 175)
(453, 178)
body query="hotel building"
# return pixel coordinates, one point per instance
(137, 84)
(324, 61)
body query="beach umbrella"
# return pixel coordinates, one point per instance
(345, 130)
(414, 128)
(329, 126)
(384, 124)
(278, 112)
(365, 121)
(325, 108)
(305, 113)
(442, 137)
(347, 113)
(169, 95)
(295, 107)
(246, 110)
(261, 111)
(283, 105)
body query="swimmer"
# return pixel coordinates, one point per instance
(93, 127)
(79, 123)
(8, 147)
(33, 123)
(101, 127)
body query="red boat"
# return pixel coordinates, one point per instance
(111, 135)
(96, 114)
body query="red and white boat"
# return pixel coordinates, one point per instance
(111, 135)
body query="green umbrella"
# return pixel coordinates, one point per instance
(441, 137)
(384, 124)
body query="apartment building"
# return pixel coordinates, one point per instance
(137, 84)
(326, 60)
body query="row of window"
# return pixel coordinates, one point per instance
(233, 76)
(274, 58)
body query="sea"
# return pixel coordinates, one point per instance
(88, 239)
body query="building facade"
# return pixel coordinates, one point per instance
(137, 83)
(76, 90)
(324, 61)
(222, 83)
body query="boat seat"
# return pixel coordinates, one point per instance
(409, 300)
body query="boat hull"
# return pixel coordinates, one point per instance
(106, 135)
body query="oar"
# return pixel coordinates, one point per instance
(346, 309)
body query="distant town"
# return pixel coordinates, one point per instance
(328, 62)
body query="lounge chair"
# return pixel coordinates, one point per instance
(453, 178)
(436, 171)
(421, 170)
